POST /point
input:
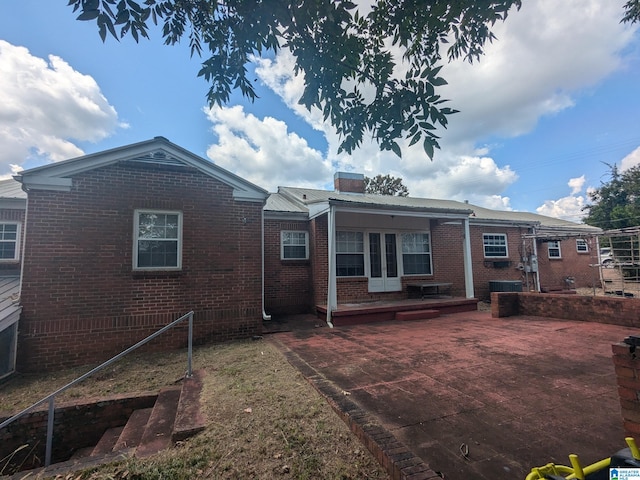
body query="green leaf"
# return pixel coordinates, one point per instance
(88, 15)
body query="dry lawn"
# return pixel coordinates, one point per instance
(264, 420)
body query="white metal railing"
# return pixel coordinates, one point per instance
(51, 397)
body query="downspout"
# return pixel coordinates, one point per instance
(331, 263)
(468, 269)
(265, 317)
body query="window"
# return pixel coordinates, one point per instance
(294, 245)
(581, 245)
(158, 240)
(349, 254)
(416, 254)
(554, 249)
(9, 233)
(495, 245)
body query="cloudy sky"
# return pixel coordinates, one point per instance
(553, 102)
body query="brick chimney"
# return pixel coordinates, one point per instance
(345, 182)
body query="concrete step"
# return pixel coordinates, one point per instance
(107, 441)
(133, 430)
(157, 433)
(417, 315)
(189, 418)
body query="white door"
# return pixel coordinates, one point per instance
(383, 263)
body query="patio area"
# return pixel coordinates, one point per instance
(473, 396)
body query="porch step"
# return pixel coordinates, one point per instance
(417, 315)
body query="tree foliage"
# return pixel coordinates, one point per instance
(385, 185)
(616, 204)
(371, 72)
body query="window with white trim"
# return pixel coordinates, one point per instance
(581, 245)
(157, 240)
(294, 245)
(495, 245)
(9, 241)
(554, 249)
(416, 254)
(349, 254)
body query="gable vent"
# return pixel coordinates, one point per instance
(158, 158)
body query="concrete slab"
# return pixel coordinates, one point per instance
(474, 396)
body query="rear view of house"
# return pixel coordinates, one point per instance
(121, 242)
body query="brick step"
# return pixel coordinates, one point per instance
(417, 315)
(133, 430)
(159, 427)
(189, 418)
(107, 441)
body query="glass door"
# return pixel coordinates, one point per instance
(383, 263)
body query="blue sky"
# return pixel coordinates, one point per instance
(555, 98)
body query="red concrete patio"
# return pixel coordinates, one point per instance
(470, 395)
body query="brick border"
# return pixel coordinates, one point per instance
(399, 462)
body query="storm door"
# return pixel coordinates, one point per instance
(383, 263)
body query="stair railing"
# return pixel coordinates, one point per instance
(51, 397)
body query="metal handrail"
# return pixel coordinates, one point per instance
(51, 397)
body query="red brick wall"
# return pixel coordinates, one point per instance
(484, 269)
(319, 263)
(571, 264)
(288, 288)
(612, 310)
(82, 301)
(627, 366)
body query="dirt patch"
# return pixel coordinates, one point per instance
(264, 420)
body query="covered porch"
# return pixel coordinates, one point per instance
(395, 310)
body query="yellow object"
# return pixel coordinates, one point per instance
(633, 447)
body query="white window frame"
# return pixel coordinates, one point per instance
(553, 245)
(486, 244)
(16, 241)
(283, 245)
(362, 253)
(137, 239)
(402, 252)
(585, 245)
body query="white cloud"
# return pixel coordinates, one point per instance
(570, 207)
(631, 160)
(546, 55)
(576, 184)
(44, 107)
(264, 151)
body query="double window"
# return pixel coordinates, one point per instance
(9, 241)
(495, 245)
(294, 245)
(158, 240)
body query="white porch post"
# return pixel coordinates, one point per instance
(468, 269)
(332, 296)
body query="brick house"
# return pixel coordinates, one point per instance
(119, 243)
(382, 244)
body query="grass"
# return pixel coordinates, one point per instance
(264, 420)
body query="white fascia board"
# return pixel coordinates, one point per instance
(503, 223)
(249, 196)
(11, 316)
(273, 215)
(46, 183)
(13, 203)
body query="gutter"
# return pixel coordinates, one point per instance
(265, 317)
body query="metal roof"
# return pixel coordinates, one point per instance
(11, 189)
(293, 199)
